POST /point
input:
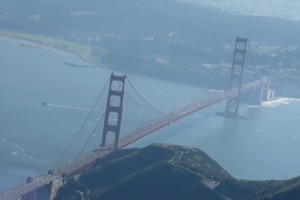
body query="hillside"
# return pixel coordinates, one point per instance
(169, 172)
(164, 38)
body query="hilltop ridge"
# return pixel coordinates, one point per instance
(174, 172)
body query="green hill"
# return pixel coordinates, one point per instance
(164, 39)
(169, 172)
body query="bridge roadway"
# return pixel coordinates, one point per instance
(77, 166)
(185, 111)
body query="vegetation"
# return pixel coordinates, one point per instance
(43, 41)
(128, 36)
(266, 49)
(168, 40)
(169, 172)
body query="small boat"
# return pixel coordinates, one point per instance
(44, 104)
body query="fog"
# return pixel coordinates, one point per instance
(57, 54)
(273, 8)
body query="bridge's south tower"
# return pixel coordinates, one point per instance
(114, 108)
(236, 77)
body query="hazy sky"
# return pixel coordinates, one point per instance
(288, 9)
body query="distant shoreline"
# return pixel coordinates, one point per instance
(31, 44)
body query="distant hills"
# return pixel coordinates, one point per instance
(169, 172)
(165, 39)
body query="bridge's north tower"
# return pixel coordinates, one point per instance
(114, 108)
(236, 77)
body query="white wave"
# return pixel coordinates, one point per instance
(18, 147)
(279, 101)
(148, 39)
(19, 150)
(64, 106)
(216, 91)
(272, 8)
(275, 102)
(171, 34)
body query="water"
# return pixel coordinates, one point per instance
(272, 8)
(33, 136)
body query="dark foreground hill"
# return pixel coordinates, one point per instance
(169, 172)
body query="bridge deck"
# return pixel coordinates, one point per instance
(185, 111)
(82, 163)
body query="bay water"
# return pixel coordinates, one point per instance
(33, 136)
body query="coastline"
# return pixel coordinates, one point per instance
(84, 56)
(32, 44)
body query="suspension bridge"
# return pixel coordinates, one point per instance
(122, 117)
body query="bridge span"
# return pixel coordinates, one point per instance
(56, 178)
(187, 110)
(50, 183)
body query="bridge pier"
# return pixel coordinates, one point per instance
(254, 97)
(260, 94)
(268, 93)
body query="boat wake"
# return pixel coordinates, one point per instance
(64, 106)
(279, 101)
(19, 150)
(276, 102)
(216, 91)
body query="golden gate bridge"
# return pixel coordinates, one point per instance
(122, 117)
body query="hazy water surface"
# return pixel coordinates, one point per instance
(33, 136)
